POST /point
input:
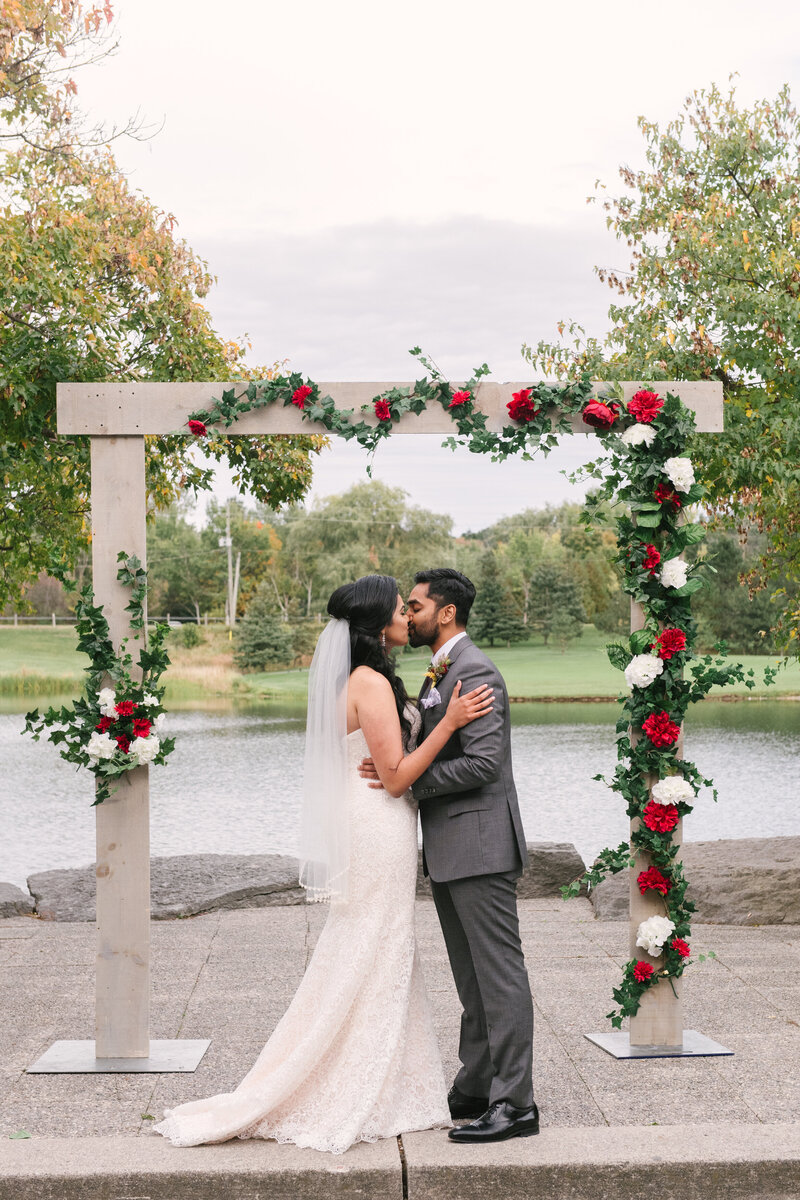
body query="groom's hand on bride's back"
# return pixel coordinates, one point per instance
(366, 769)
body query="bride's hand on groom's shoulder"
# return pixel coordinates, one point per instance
(366, 769)
(462, 710)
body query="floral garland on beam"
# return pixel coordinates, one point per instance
(112, 730)
(646, 469)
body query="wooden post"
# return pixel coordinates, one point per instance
(122, 1016)
(659, 1021)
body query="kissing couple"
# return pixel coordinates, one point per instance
(355, 1056)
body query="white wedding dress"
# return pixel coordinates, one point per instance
(355, 1056)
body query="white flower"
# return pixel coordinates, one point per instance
(672, 790)
(652, 934)
(158, 723)
(636, 435)
(144, 750)
(680, 473)
(101, 745)
(107, 699)
(150, 701)
(673, 573)
(642, 670)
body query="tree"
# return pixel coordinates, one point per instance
(725, 609)
(494, 616)
(94, 285)
(556, 609)
(712, 292)
(262, 640)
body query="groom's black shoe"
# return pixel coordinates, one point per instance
(500, 1121)
(468, 1107)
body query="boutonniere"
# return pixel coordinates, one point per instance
(435, 672)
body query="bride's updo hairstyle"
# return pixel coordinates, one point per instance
(368, 606)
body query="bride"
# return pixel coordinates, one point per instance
(355, 1057)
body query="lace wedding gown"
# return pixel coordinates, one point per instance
(355, 1056)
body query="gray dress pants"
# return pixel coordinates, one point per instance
(479, 920)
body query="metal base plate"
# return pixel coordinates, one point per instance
(78, 1058)
(695, 1045)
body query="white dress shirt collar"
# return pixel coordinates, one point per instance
(443, 651)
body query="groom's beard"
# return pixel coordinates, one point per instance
(423, 635)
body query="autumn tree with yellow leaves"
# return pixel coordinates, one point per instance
(94, 285)
(712, 291)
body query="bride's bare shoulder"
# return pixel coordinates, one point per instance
(366, 681)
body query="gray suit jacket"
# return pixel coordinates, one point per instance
(467, 798)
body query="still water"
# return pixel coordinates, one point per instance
(233, 783)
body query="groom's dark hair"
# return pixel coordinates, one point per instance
(448, 586)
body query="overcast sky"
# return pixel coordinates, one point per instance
(366, 177)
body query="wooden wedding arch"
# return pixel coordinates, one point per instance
(116, 417)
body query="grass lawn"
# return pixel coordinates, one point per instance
(41, 660)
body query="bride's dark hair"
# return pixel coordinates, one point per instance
(368, 606)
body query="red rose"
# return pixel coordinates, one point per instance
(645, 406)
(459, 398)
(652, 878)
(660, 729)
(141, 727)
(664, 494)
(301, 395)
(661, 818)
(651, 559)
(197, 428)
(125, 708)
(669, 642)
(104, 724)
(602, 416)
(521, 408)
(123, 742)
(382, 410)
(681, 946)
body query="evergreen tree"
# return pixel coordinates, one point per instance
(262, 639)
(494, 617)
(555, 608)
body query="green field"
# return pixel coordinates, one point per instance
(38, 661)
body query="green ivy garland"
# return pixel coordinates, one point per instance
(644, 469)
(113, 730)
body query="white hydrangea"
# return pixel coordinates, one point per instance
(108, 700)
(158, 722)
(673, 573)
(673, 790)
(680, 473)
(150, 700)
(642, 670)
(652, 934)
(101, 745)
(638, 434)
(144, 750)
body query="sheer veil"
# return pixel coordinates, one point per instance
(324, 841)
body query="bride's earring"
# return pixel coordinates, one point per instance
(383, 640)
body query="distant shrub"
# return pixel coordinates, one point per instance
(261, 639)
(191, 635)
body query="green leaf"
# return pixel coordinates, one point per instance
(20, 1133)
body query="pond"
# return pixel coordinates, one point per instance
(233, 783)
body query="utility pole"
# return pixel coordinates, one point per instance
(233, 587)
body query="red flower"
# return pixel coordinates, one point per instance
(642, 972)
(664, 494)
(123, 742)
(652, 878)
(197, 428)
(651, 559)
(602, 416)
(681, 946)
(660, 729)
(521, 408)
(645, 406)
(301, 395)
(382, 410)
(125, 708)
(661, 818)
(104, 724)
(669, 642)
(141, 727)
(459, 398)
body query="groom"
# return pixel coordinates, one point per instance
(474, 851)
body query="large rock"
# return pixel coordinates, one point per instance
(551, 865)
(181, 885)
(14, 902)
(743, 881)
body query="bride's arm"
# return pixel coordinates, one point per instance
(377, 715)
